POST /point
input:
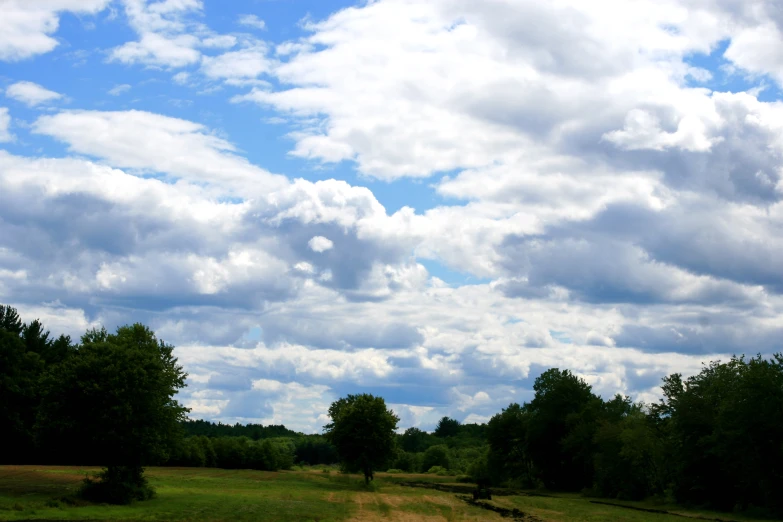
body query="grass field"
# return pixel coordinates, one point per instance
(37, 493)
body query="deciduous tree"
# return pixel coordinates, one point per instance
(362, 430)
(113, 400)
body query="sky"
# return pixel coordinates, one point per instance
(433, 202)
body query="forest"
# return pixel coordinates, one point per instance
(714, 439)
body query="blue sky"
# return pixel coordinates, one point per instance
(430, 201)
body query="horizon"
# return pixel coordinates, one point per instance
(429, 202)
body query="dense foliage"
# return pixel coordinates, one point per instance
(715, 439)
(251, 431)
(213, 444)
(112, 401)
(109, 400)
(362, 430)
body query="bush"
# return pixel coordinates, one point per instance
(117, 485)
(436, 456)
(394, 470)
(437, 470)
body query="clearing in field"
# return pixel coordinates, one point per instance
(185, 494)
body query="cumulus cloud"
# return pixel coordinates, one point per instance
(451, 115)
(31, 94)
(320, 244)
(642, 130)
(615, 213)
(166, 38)
(26, 27)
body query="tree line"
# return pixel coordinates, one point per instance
(715, 439)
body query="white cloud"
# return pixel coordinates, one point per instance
(755, 39)
(642, 130)
(151, 142)
(250, 20)
(156, 49)
(320, 244)
(26, 26)
(245, 64)
(119, 89)
(451, 85)
(223, 41)
(410, 89)
(5, 125)
(31, 94)
(166, 38)
(623, 222)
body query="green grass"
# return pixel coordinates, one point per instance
(576, 508)
(182, 494)
(196, 494)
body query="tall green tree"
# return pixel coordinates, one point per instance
(19, 373)
(112, 403)
(726, 424)
(507, 437)
(415, 440)
(447, 427)
(630, 452)
(38, 340)
(10, 320)
(363, 431)
(563, 420)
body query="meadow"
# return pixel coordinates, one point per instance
(46, 493)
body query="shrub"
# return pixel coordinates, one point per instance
(436, 456)
(117, 485)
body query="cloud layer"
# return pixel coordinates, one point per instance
(615, 208)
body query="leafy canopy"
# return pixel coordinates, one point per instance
(113, 399)
(447, 427)
(363, 431)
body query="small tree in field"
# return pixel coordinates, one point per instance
(112, 402)
(362, 430)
